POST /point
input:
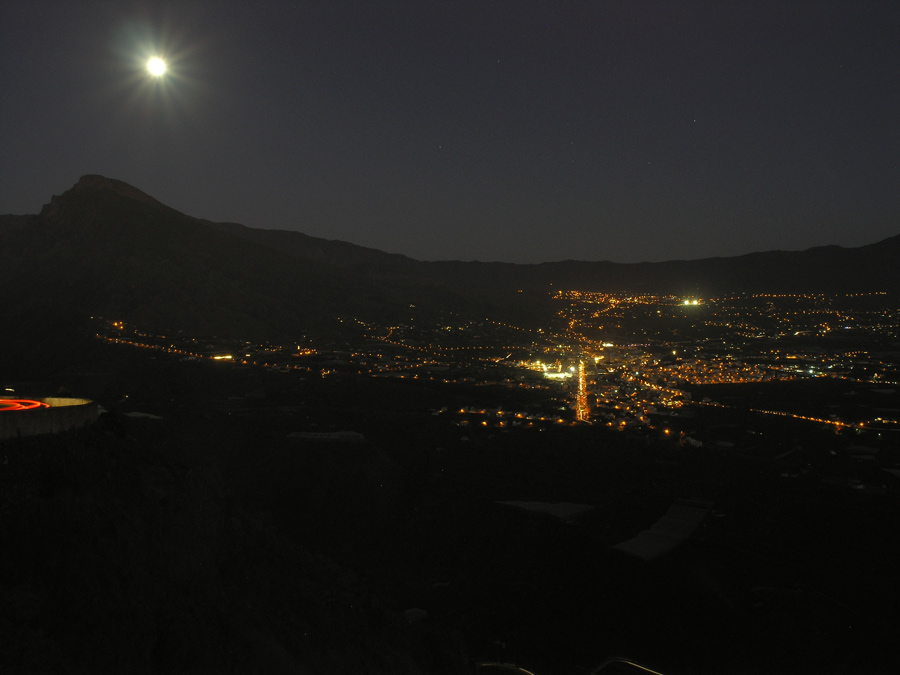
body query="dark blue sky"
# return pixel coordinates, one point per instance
(520, 131)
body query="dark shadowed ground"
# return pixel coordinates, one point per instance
(207, 542)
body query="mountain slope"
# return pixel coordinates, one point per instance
(831, 269)
(106, 248)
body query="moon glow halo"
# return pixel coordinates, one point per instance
(156, 66)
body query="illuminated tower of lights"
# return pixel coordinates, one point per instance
(582, 410)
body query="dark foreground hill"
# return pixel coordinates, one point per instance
(213, 542)
(127, 550)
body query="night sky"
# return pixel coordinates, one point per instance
(519, 131)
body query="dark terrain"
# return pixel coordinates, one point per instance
(208, 542)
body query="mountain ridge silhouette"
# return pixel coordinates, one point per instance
(106, 248)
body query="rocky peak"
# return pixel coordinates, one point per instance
(95, 182)
(92, 183)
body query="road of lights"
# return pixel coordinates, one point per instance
(582, 409)
(782, 413)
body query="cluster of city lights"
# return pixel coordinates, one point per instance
(636, 374)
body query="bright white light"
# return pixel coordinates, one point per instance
(156, 66)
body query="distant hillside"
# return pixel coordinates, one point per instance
(827, 269)
(824, 269)
(106, 248)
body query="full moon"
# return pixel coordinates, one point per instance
(156, 66)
